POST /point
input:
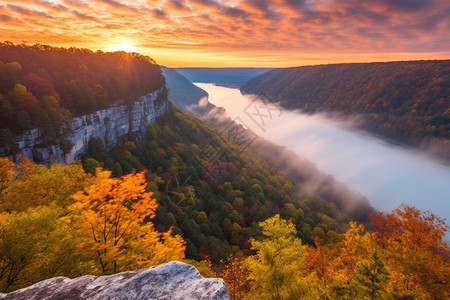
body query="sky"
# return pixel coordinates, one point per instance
(233, 33)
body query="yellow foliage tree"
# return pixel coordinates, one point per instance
(7, 172)
(38, 185)
(275, 269)
(112, 218)
(35, 245)
(356, 246)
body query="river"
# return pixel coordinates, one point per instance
(386, 174)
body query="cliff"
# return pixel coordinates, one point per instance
(173, 280)
(110, 124)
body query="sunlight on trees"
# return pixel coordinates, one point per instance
(38, 185)
(112, 217)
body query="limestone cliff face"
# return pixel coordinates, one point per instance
(110, 124)
(173, 280)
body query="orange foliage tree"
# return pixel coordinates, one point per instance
(416, 251)
(235, 275)
(112, 219)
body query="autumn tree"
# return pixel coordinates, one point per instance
(357, 245)
(112, 219)
(235, 276)
(35, 245)
(39, 185)
(7, 172)
(318, 264)
(275, 268)
(350, 250)
(417, 252)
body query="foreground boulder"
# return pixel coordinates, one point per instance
(173, 280)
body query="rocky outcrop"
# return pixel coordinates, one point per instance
(173, 280)
(110, 124)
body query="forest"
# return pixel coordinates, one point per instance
(404, 101)
(251, 226)
(213, 195)
(256, 226)
(44, 86)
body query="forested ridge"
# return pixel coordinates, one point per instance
(406, 101)
(43, 86)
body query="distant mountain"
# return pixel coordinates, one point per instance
(408, 101)
(181, 91)
(230, 77)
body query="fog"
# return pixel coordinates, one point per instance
(386, 174)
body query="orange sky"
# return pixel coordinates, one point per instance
(266, 33)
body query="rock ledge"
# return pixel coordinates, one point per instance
(173, 280)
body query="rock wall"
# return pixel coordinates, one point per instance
(110, 124)
(173, 280)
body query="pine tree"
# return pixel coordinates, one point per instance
(371, 277)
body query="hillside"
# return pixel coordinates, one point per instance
(181, 91)
(214, 194)
(405, 101)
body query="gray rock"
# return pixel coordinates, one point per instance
(173, 280)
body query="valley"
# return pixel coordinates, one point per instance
(387, 174)
(232, 184)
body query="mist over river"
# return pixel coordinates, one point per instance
(387, 175)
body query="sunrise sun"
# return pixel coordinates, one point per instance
(123, 47)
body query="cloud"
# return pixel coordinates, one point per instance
(28, 12)
(408, 5)
(178, 5)
(5, 18)
(256, 26)
(159, 13)
(118, 4)
(83, 16)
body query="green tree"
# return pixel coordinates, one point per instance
(90, 165)
(371, 277)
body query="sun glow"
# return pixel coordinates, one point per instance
(123, 47)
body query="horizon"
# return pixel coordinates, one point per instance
(238, 33)
(233, 67)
